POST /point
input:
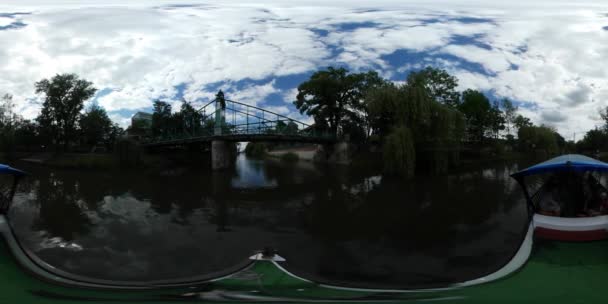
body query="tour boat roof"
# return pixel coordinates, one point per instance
(574, 162)
(4, 169)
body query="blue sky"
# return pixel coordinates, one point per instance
(549, 56)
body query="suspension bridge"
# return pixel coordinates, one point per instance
(222, 120)
(229, 120)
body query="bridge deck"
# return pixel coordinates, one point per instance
(241, 138)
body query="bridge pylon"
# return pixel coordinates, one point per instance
(220, 113)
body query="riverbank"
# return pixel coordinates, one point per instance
(90, 161)
(73, 160)
(306, 153)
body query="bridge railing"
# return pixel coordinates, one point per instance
(269, 128)
(238, 118)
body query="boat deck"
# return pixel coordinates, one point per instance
(557, 272)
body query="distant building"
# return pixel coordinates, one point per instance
(141, 119)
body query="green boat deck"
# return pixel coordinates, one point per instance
(557, 272)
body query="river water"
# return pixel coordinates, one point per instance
(346, 226)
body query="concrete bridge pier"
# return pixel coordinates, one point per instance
(220, 155)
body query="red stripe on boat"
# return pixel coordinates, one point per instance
(576, 236)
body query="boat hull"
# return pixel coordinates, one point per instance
(571, 229)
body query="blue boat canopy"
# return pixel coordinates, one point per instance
(4, 169)
(574, 162)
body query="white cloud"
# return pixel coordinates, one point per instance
(142, 50)
(290, 95)
(5, 21)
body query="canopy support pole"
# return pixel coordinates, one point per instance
(531, 207)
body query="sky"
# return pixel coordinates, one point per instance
(550, 57)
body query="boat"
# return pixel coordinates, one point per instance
(557, 273)
(572, 184)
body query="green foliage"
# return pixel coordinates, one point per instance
(477, 110)
(290, 157)
(390, 106)
(440, 85)
(187, 120)
(26, 135)
(496, 120)
(434, 129)
(8, 122)
(399, 153)
(8, 117)
(521, 121)
(64, 98)
(534, 139)
(286, 128)
(83, 161)
(509, 114)
(334, 97)
(594, 140)
(256, 149)
(161, 118)
(96, 127)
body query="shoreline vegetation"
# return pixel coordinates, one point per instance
(423, 125)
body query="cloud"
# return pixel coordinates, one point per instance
(553, 116)
(290, 95)
(580, 95)
(547, 53)
(4, 21)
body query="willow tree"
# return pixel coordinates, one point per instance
(399, 152)
(417, 130)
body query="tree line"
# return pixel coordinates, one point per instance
(424, 123)
(63, 123)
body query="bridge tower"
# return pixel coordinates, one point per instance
(220, 152)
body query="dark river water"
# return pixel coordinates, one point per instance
(344, 226)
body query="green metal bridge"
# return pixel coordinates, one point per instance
(229, 120)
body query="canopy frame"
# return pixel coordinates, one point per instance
(563, 163)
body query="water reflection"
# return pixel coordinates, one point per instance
(335, 225)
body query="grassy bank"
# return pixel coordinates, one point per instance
(290, 157)
(82, 161)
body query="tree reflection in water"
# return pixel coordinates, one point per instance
(60, 207)
(331, 223)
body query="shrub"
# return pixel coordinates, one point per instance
(290, 157)
(256, 149)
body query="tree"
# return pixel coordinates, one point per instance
(521, 121)
(334, 97)
(594, 140)
(96, 126)
(7, 111)
(509, 114)
(114, 133)
(64, 98)
(417, 130)
(439, 83)
(496, 120)
(477, 110)
(161, 118)
(190, 118)
(604, 116)
(382, 104)
(26, 135)
(8, 119)
(399, 153)
(533, 139)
